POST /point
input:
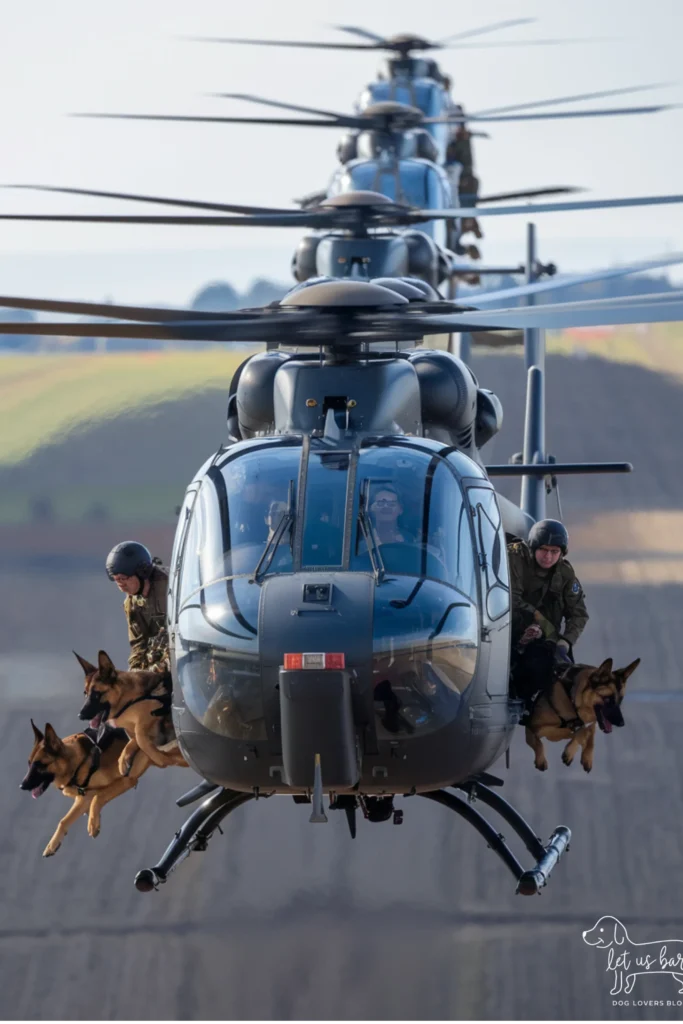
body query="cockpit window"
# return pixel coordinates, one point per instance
(491, 542)
(323, 527)
(243, 522)
(412, 506)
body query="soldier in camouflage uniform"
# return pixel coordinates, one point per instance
(145, 584)
(545, 593)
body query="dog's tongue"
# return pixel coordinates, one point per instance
(96, 721)
(38, 791)
(606, 724)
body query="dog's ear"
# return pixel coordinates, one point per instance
(603, 671)
(105, 665)
(37, 733)
(52, 740)
(620, 935)
(85, 665)
(624, 673)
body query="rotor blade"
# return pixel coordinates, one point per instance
(189, 203)
(277, 103)
(495, 27)
(295, 219)
(569, 282)
(523, 42)
(96, 309)
(530, 210)
(528, 194)
(362, 32)
(634, 309)
(349, 122)
(572, 99)
(552, 116)
(192, 330)
(284, 42)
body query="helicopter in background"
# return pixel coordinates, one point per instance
(406, 692)
(388, 150)
(419, 82)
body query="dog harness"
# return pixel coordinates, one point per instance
(81, 788)
(565, 676)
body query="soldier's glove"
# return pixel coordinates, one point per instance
(531, 633)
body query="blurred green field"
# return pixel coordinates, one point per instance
(44, 397)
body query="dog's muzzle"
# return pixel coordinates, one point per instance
(36, 781)
(608, 715)
(94, 711)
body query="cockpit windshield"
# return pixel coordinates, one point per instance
(388, 509)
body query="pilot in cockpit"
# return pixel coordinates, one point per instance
(385, 511)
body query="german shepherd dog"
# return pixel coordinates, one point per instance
(131, 700)
(84, 770)
(579, 697)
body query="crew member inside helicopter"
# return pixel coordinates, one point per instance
(545, 592)
(459, 151)
(385, 511)
(145, 583)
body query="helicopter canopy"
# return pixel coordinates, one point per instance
(415, 182)
(421, 523)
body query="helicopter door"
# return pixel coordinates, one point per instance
(495, 584)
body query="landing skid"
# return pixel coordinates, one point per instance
(202, 823)
(531, 881)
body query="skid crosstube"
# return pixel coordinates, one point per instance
(202, 823)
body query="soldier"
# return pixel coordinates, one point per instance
(544, 592)
(145, 584)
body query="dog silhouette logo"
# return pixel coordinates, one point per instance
(628, 959)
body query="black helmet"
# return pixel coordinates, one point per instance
(548, 532)
(129, 559)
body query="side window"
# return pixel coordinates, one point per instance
(179, 547)
(491, 543)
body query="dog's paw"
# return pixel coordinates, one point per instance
(94, 826)
(541, 765)
(51, 849)
(125, 766)
(587, 765)
(567, 758)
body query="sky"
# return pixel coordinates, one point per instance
(131, 57)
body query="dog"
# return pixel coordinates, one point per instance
(84, 770)
(579, 697)
(625, 956)
(133, 701)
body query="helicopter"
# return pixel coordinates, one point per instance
(418, 81)
(310, 654)
(390, 151)
(356, 234)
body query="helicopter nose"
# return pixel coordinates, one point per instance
(323, 614)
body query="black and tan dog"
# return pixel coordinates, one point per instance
(136, 701)
(579, 697)
(84, 770)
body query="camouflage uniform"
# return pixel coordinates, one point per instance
(545, 597)
(147, 623)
